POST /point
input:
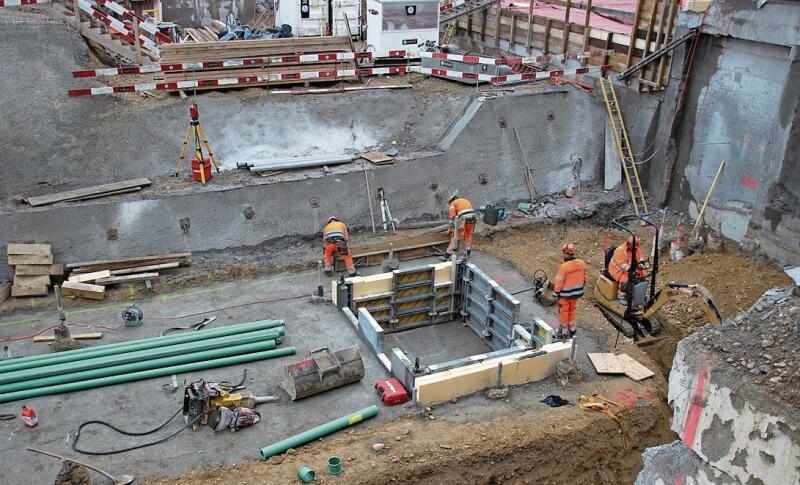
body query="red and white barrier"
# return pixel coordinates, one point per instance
(513, 61)
(127, 14)
(118, 26)
(528, 76)
(17, 3)
(239, 81)
(203, 65)
(451, 5)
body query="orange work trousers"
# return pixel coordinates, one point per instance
(462, 236)
(566, 313)
(330, 251)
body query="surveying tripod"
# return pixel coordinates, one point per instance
(196, 131)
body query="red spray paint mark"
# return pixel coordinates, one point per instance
(679, 479)
(749, 182)
(696, 407)
(499, 278)
(578, 202)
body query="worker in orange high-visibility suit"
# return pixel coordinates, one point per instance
(620, 265)
(462, 214)
(335, 237)
(569, 286)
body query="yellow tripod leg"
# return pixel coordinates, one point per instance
(208, 147)
(183, 150)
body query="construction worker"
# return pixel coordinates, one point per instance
(335, 237)
(620, 265)
(569, 285)
(464, 219)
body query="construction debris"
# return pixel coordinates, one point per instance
(606, 363)
(322, 371)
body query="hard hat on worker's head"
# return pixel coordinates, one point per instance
(569, 249)
(453, 196)
(331, 219)
(632, 240)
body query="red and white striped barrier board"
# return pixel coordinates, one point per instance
(239, 81)
(451, 5)
(528, 76)
(127, 14)
(118, 26)
(512, 61)
(202, 65)
(17, 3)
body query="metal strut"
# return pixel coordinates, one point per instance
(658, 54)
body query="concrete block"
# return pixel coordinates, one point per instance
(402, 368)
(455, 383)
(369, 330)
(529, 369)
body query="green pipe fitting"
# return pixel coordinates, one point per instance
(305, 474)
(334, 465)
(122, 347)
(145, 374)
(113, 370)
(318, 432)
(138, 356)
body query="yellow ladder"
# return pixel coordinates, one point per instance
(448, 33)
(623, 146)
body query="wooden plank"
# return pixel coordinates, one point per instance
(144, 269)
(633, 368)
(5, 291)
(33, 249)
(83, 278)
(529, 28)
(106, 194)
(548, 24)
(586, 28)
(377, 157)
(30, 286)
(484, 16)
(662, 62)
(39, 269)
(131, 278)
(512, 36)
(83, 290)
(606, 363)
(567, 25)
(76, 336)
(86, 191)
(185, 259)
(634, 33)
(498, 13)
(16, 259)
(648, 35)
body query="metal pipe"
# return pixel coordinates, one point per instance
(318, 432)
(138, 356)
(290, 164)
(145, 374)
(148, 343)
(113, 370)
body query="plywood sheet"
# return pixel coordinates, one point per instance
(633, 368)
(377, 157)
(606, 363)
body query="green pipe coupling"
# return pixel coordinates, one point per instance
(334, 465)
(305, 474)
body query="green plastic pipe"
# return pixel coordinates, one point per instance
(25, 375)
(318, 432)
(145, 374)
(148, 343)
(114, 370)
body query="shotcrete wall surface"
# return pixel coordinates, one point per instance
(741, 107)
(113, 138)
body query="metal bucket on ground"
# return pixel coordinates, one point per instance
(322, 371)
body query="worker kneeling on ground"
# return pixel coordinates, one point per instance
(620, 265)
(462, 214)
(570, 283)
(336, 238)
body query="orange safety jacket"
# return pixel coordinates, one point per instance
(335, 230)
(620, 263)
(571, 279)
(461, 207)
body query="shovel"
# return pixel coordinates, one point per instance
(121, 480)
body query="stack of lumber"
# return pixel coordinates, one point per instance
(87, 193)
(264, 49)
(33, 266)
(128, 270)
(203, 34)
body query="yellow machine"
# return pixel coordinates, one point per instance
(635, 317)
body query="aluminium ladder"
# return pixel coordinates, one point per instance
(448, 33)
(623, 145)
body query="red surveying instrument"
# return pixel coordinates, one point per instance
(201, 165)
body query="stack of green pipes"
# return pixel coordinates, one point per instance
(87, 368)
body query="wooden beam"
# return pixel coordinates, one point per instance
(76, 336)
(529, 33)
(469, 26)
(83, 290)
(16, 259)
(660, 39)
(30, 286)
(586, 28)
(648, 35)
(662, 62)
(86, 192)
(634, 33)
(144, 269)
(39, 269)
(498, 15)
(567, 24)
(83, 278)
(484, 16)
(184, 259)
(513, 35)
(547, 25)
(37, 249)
(5, 291)
(609, 38)
(131, 278)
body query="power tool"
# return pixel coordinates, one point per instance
(210, 402)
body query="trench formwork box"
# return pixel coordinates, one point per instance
(396, 25)
(437, 293)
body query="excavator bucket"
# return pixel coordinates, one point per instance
(322, 371)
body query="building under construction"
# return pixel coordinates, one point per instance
(296, 241)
